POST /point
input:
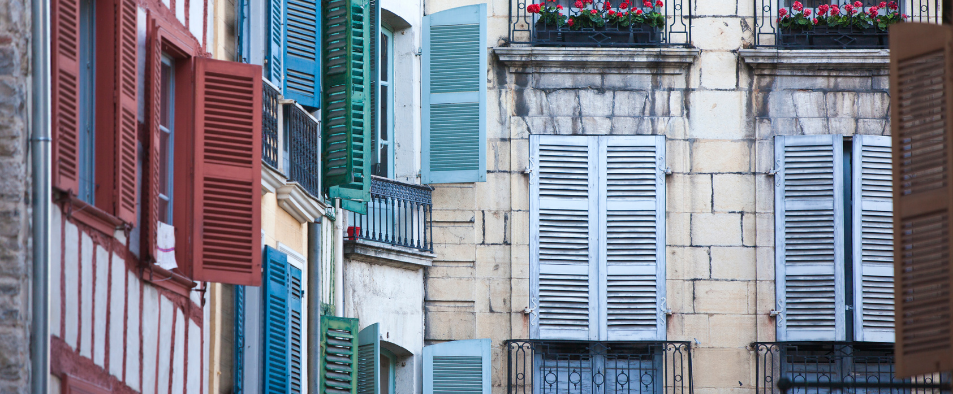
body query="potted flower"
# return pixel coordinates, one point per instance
(794, 25)
(829, 28)
(622, 24)
(550, 19)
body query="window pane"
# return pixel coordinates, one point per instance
(385, 57)
(87, 95)
(385, 111)
(164, 162)
(385, 374)
(165, 115)
(166, 139)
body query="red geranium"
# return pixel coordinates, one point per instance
(883, 4)
(532, 8)
(782, 12)
(858, 4)
(624, 5)
(807, 13)
(647, 3)
(578, 4)
(797, 6)
(570, 22)
(659, 3)
(607, 5)
(638, 12)
(892, 5)
(822, 9)
(814, 20)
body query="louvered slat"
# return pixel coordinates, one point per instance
(302, 53)
(126, 111)
(368, 360)
(457, 367)
(275, 62)
(276, 338)
(65, 94)
(296, 353)
(809, 230)
(339, 348)
(873, 239)
(920, 86)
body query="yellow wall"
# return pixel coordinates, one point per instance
(280, 226)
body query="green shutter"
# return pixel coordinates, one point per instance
(339, 346)
(348, 57)
(368, 360)
(276, 325)
(453, 98)
(302, 52)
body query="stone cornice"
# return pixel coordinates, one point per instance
(549, 59)
(291, 196)
(817, 62)
(384, 254)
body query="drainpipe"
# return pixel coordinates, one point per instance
(339, 219)
(40, 149)
(314, 300)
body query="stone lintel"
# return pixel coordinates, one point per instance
(618, 60)
(384, 254)
(818, 62)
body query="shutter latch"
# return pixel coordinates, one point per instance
(774, 313)
(528, 310)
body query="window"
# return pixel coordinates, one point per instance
(834, 238)
(597, 257)
(166, 138)
(383, 149)
(87, 92)
(388, 364)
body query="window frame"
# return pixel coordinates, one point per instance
(168, 195)
(385, 120)
(87, 103)
(391, 371)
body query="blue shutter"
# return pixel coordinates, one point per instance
(457, 367)
(296, 353)
(276, 325)
(274, 60)
(302, 56)
(368, 360)
(809, 238)
(453, 100)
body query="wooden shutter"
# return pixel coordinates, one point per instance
(344, 78)
(302, 52)
(226, 223)
(296, 353)
(339, 349)
(74, 385)
(126, 110)
(457, 367)
(368, 360)
(150, 166)
(64, 62)
(276, 323)
(632, 249)
(809, 231)
(872, 239)
(920, 103)
(274, 65)
(564, 273)
(453, 105)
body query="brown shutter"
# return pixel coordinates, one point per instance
(65, 94)
(921, 88)
(226, 227)
(126, 110)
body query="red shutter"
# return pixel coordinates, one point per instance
(150, 165)
(65, 94)
(921, 96)
(73, 385)
(226, 224)
(126, 110)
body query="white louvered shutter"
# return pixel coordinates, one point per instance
(632, 218)
(809, 231)
(872, 239)
(563, 273)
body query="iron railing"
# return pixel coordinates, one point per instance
(530, 28)
(303, 144)
(825, 367)
(269, 124)
(568, 367)
(398, 214)
(768, 32)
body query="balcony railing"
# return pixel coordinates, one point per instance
(299, 145)
(532, 27)
(769, 31)
(398, 214)
(569, 367)
(831, 364)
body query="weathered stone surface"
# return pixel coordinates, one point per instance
(716, 229)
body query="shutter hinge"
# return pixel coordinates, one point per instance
(419, 51)
(668, 170)
(772, 172)
(528, 310)
(774, 313)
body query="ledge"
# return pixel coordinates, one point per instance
(817, 61)
(271, 179)
(384, 254)
(291, 196)
(535, 59)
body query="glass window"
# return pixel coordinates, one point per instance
(166, 138)
(383, 149)
(87, 95)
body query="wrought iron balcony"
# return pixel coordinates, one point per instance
(831, 364)
(861, 32)
(601, 23)
(568, 367)
(399, 214)
(291, 145)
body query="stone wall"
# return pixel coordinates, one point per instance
(15, 254)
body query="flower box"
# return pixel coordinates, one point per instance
(846, 37)
(599, 35)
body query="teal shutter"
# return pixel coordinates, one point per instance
(296, 353)
(275, 59)
(453, 100)
(368, 360)
(632, 246)
(809, 238)
(346, 124)
(302, 56)
(276, 337)
(872, 239)
(457, 367)
(338, 365)
(563, 225)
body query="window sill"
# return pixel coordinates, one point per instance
(817, 61)
(530, 59)
(390, 255)
(89, 215)
(172, 281)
